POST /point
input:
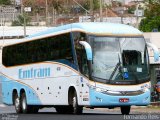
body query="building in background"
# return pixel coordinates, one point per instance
(8, 14)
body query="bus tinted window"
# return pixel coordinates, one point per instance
(47, 49)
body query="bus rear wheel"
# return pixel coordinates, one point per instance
(125, 110)
(17, 104)
(25, 107)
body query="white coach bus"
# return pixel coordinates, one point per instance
(78, 65)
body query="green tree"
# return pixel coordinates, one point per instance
(20, 21)
(152, 16)
(86, 4)
(57, 4)
(131, 10)
(5, 2)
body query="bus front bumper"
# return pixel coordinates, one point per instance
(101, 99)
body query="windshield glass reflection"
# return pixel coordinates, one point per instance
(119, 58)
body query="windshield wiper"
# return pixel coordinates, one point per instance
(115, 69)
(98, 79)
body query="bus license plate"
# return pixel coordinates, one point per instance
(124, 100)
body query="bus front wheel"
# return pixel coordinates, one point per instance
(76, 108)
(125, 110)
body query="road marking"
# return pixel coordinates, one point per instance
(2, 105)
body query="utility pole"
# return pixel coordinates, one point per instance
(24, 25)
(91, 10)
(137, 12)
(122, 14)
(46, 12)
(24, 18)
(101, 17)
(21, 3)
(3, 11)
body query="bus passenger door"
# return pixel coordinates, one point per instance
(81, 61)
(83, 68)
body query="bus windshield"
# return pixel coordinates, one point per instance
(119, 59)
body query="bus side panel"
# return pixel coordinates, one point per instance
(6, 98)
(7, 91)
(51, 89)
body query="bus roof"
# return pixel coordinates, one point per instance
(97, 28)
(93, 28)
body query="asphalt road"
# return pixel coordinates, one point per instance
(8, 113)
(50, 114)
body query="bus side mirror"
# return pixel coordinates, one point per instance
(88, 49)
(156, 51)
(89, 55)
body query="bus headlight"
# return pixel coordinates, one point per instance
(145, 87)
(100, 90)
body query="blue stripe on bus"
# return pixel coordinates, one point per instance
(9, 85)
(100, 99)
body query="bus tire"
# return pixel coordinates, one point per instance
(125, 110)
(17, 104)
(25, 107)
(76, 108)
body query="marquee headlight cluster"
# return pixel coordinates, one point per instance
(145, 87)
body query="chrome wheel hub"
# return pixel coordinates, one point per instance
(24, 104)
(17, 103)
(74, 102)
